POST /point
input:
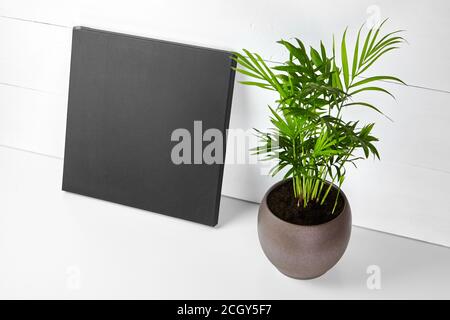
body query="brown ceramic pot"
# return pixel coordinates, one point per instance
(303, 252)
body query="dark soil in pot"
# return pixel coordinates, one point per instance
(282, 203)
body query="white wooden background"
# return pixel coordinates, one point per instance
(407, 193)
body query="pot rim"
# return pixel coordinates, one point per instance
(341, 193)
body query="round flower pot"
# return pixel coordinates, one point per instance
(303, 251)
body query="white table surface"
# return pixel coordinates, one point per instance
(55, 244)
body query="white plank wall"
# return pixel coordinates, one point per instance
(33, 121)
(404, 194)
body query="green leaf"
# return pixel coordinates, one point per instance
(375, 36)
(242, 60)
(291, 69)
(323, 51)
(365, 104)
(280, 123)
(248, 73)
(386, 38)
(337, 80)
(355, 54)
(364, 50)
(335, 75)
(372, 89)
(384, 44)
(376, 78)
(296, 52)
(275, 82)
(257, 65)
(374, 150)
(315, 57)
(370, 62)
(302, 49)
(344, 60)
(257, 84)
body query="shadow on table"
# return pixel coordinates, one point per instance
(233, 210)
(404, 264)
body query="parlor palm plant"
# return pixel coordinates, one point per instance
(311, 140)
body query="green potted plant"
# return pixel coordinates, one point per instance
(304, 221)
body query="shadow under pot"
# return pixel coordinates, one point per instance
(307, 243)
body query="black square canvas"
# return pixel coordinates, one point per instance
(127, 96)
